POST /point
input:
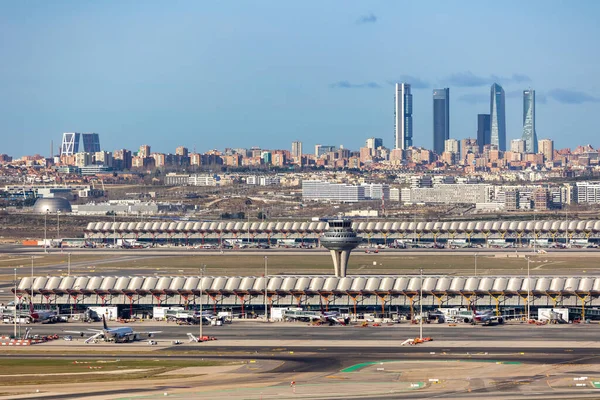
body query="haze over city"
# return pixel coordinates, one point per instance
(215, 75)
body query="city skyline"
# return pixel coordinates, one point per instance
(134, 73)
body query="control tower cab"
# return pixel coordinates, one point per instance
(340, 239)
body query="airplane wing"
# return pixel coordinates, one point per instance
(147, 333)
(94, 337)
(91, 332)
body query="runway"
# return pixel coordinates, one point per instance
(515, 361)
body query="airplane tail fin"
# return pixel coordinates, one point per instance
(104, 322)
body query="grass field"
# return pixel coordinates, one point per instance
(360, 263)
(15, 372)
(310, 263)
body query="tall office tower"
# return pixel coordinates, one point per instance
(483, 130)
(517, 146)
(373, 143)
(403, 126)
(497, 117)
(441, 118)
(529, 135)
(297, 149)
(546, 147)
(71, 143)
(144, 151)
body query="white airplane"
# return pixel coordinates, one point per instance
(123, 334)
(488, 317)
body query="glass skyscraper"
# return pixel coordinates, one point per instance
(483, 130)
(497, 117)
(529, 134)
(403, 131)
(441, 118)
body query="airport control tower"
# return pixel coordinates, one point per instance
(340, 239)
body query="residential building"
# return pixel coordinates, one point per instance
(374, 143)
(588, 192)
(203, 180)
(175, 179)
(82, 159)
(451, 194)
(468, 146)
(181, 151)
(376, 191)
(103, 158)
(517, 146)
(441, 118)
(122, 159)
(144, 151)
(546, 147)
(497, 117)
(452, 146)
(529, 134)
(297, 149)
(403, 125)
(334, 192)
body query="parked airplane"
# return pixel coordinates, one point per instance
(488, 317)
(331, 317)
(122, 335)
(42, 316)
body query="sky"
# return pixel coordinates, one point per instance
(215, 74)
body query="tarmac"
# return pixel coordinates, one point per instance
(470, 362)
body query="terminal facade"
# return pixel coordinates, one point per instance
(380, 294)
(188, 232)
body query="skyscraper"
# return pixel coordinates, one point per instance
(297, 149)
(441, 118)
(497, 117)
(529, 134)
(71, 141)
(483, 130)
(403, 131)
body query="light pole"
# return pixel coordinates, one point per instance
(476, 264)
(114, 230)
(266, 281)
(69, 264)
(534, 235)
(15, 308)
(45, 229)
(31, 284)
(201, 316)
(421, 307)
(58, 224)
(528, 292)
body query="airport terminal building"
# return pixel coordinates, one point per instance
(191, 232)
(381, 294)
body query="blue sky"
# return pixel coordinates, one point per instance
(247, 73)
